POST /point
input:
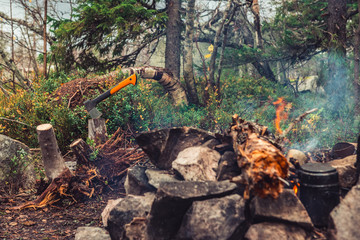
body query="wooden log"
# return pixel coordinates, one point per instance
(82, 151)
(97, 130)
(263, 165)
(54, 164)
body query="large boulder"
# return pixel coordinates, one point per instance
(16, 167)
(156, 177)
(136, 181)
(163, 146)
(172, 201)
(214, 219)
(345, 217)
(347, 171)
(287, 207)
(197, 164)
(126, 210)
(91, 233)
(228, 166)
(275, 231)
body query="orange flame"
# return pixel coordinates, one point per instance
(295, 188)
(280, 114)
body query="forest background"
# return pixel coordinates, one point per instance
(229, 56)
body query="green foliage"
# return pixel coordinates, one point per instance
(101, 27)
(16, 167)
(25, 110)
(146, 107)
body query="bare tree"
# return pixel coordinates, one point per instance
(188, 53)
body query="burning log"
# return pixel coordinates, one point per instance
(263, 165)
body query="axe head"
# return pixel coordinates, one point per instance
(90, 106)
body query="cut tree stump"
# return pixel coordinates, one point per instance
(54, 164)
(82, 151)
(97, 130)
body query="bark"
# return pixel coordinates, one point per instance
(97, 130)
(356, 83)
(188, 54)
(336, 85)
(53, 162)
(173, 33)
(260, 159)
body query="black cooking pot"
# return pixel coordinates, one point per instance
(319, 191)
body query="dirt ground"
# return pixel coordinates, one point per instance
(58, 221)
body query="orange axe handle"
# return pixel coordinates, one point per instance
(122, 84)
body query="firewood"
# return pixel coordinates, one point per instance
(263, 165)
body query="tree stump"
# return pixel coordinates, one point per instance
(54, 164)
(82, 151)
(97, 130)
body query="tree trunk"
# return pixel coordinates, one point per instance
(216, 43)
(188, 54)
(82, 151)
(97, 130)
(45, 39)
(53, 162)
(356, 83)
(336, 85)
(173, 33)
(255, 8)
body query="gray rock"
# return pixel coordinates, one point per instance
(91, 233)
(197, 164)
(228, 167)
(297, 156)
(136, 182)
(275, 231)
(124, 213)
(347, 171)
(15, 157)
(158, 176)
(212, 143)
(216, 218)
(345, 218)
(287, 207)
(136, 229)
(163, 146)
(174, 199)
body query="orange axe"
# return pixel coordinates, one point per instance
(90, 105)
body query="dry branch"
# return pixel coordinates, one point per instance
(297, 120)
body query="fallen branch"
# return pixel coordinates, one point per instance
(297, 120)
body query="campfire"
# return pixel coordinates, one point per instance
(252, 185)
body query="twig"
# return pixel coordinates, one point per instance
(298, 119)
(70, 99)
(12, 120)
